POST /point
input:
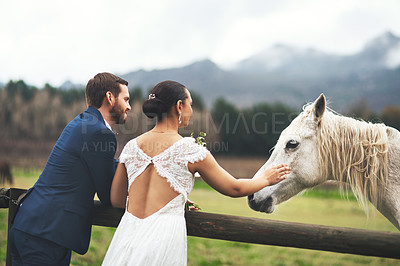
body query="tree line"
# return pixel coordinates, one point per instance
(37, 114)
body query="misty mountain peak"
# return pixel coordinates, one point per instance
(385, 41)
(282, 57)
(205, 64)
(381, 52)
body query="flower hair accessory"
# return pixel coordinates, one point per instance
(152, 96)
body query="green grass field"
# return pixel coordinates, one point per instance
(324, 207)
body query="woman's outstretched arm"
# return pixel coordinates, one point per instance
(219, 179)
(119, 187)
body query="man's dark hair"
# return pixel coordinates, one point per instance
(98, 86)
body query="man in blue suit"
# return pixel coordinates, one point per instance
(55, 215)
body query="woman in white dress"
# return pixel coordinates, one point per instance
(154, 178)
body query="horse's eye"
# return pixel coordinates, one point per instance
(292, 144)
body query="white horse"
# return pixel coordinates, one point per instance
(320, 145)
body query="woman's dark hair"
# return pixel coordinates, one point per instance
(98, 86)
(162, 97)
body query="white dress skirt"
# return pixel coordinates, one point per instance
(159, 239)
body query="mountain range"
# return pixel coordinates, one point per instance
(294, 76)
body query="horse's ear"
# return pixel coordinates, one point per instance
(319, 107)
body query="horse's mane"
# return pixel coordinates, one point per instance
(354, 152)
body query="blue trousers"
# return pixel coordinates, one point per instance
(27, 249)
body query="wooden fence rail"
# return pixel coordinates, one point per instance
(260, 231)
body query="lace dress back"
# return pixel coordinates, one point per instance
(170, 164)
(158, 239)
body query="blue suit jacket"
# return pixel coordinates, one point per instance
(59, 206)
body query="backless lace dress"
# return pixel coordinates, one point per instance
(159, 239)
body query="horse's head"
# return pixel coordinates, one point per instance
(297, 147)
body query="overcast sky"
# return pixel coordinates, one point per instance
(54, 41)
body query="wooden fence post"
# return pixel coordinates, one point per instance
(14, 194)
(4, 195)
(290, 234)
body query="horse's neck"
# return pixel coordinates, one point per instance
(357, 153)
(393, 182)
(391, 202)
(389, 205)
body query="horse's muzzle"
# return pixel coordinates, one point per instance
(267, 205)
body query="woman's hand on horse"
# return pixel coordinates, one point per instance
(277, 173)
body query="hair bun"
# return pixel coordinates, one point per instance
(153, 107)
(162, 97)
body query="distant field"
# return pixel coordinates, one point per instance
(323, 206)
(241, 167)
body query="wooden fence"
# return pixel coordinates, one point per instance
(257, 231)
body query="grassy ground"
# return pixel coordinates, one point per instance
(322, 206)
